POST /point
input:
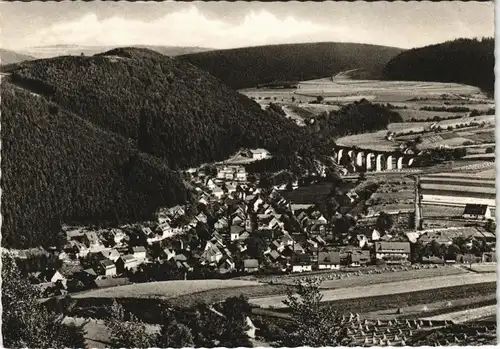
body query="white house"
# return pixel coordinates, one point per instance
(217, 192)
(475, 211)
(107, 267)
(258, 154)
(139, 253)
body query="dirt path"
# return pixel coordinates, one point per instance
(386, 288)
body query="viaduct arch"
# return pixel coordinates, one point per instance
(370, 160)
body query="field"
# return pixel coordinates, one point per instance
(387, 303)
(388, 277)
(468, 314)
(483, 267)
(389, 288)
(218, 295)
(438, 308)
(441, 211)
(164, 289)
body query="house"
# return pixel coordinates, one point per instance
(359, 258)
(107, 267)
(363, 240)
(52, 276)
(375, 235)
(112, 254)
(244, 236)
(257, 154)
(392, 251)
(139, 252)
(211, 255)
(211, 184)
(168, 254)
(301, 263)
(126, 262)
(329, 260)
(201, 217)
(217, 192)
(297, 248)
(217, 239)
(475, 211)
(92, 241)
(176, 211)
(221, 224)
(250, 265)
(226, 265)
(274, 255)
(118, 236)
(231, 188)
(236, 231)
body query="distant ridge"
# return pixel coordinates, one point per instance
(252, 66)
(10, 57)
(76, 50)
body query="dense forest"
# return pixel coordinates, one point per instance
(95, 139)
(58, 167)
(172, 109)
(253, 66)
(466, 61)
(357, 117)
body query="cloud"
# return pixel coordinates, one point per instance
(187, 27)
(190, 26)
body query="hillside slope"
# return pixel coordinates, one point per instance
(174, 110)
(57, 167)
(466, 61)
(252, 66)
(9, 57)
(93, 139)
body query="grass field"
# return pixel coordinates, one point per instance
(387, 303)
(409, 114)
(468, 314)
(218, 295)
(389, 288)
(483, 267)
(165, 289)
(373, 279)
(435, 308)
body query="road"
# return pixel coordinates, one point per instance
(387, 288)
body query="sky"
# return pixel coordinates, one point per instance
(238, 24)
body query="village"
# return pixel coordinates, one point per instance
(238, 227)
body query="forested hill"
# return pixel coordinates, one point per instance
(9, 57)
(57, 167)
(93, 139)
(466, 61)
(252, 66)
(172, 109)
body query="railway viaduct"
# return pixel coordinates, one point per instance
(370, 160)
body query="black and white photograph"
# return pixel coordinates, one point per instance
(247, 174)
